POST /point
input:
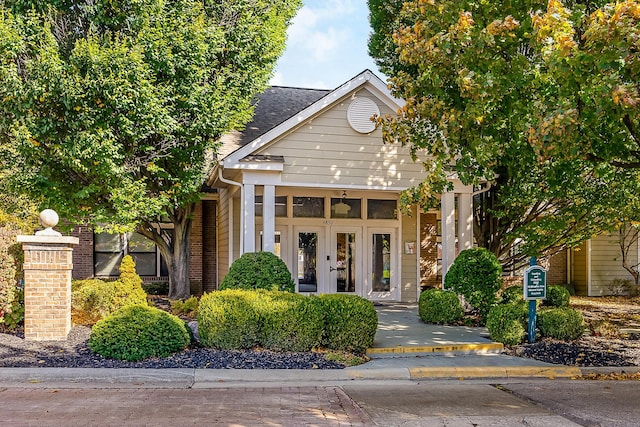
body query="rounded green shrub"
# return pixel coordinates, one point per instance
(438, 306)
(557, 296)
(291, 322)
(512, 294)
(561, 323)
(350, 322)
(230, 319)
(94, 299)
(258, 270)
(137, 332)
(477, 275)
(507, 323)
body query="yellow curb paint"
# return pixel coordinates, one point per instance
(478, 348)
(492, 372)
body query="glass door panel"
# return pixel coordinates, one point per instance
(307, 262)
(345, 277)
(381, 262)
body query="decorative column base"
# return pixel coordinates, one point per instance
(48, 265)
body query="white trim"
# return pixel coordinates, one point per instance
(366, 78)
(256, 166)
(249, 213)
(268, 218)
(448, 224)
(465, 222)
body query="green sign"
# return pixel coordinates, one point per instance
(535, 283)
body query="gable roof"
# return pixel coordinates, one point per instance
(274, 106)
(257, 135)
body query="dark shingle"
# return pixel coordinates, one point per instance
(274, 106)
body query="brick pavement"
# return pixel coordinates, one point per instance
(233, 407)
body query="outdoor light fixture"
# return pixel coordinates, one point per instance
(344, 195)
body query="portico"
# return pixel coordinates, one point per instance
(321, 190)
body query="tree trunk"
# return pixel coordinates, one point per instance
(175, 249)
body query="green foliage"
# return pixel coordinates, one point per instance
(512, 295)
(507, 323)
(258, 270)
(561, 323)
(439, 306)
(239, 319)
(538, 97)
(156, 288)
(350, 322)
(11, 254)
(557, 296)
(137, 332)
(93, 299)
(188, 307)
(14, 314)
(291, 322)
(476, 274)
(229, 319)
(112, 113)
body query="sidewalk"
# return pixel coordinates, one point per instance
(404, 349)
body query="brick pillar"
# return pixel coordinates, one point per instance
(47, 284)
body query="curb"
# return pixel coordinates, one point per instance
(480, 348)
(470, 372)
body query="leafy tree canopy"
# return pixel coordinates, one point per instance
(115, 107)
(514, 93)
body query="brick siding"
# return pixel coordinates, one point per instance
(47, 296)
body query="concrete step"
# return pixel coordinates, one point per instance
(444, 349)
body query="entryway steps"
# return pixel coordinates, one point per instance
(475, 348)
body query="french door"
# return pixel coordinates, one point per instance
(345, 260)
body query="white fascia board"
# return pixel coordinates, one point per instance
(345, 186)
(365, 78)
(262, 178)
(277, 167)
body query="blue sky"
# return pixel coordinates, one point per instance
(326, 45)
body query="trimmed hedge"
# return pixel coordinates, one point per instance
(439, 306)
(477, 275)
(507, 323)
(94, 299)
(291, 322)
(258, 270)
(137, 332)
(512, 294)
(561, 323)
(229, 320)
(350, 322)
(281, 321)
(557, 296)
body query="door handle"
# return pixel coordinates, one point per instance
(332, 269)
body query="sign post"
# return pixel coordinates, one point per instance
(535, 287)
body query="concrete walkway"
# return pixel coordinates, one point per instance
(404, 349)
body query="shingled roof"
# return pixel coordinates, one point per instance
(277, 104)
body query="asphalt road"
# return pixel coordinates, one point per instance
(356, 403)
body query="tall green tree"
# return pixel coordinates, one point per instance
(115, 107)
(478, 85)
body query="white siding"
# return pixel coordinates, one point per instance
(223, 234)
(326, 150)
(606, 263)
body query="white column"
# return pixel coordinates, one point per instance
(465, 221)
(447, 207)
(269, 218)
(249, 212)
